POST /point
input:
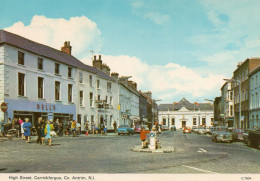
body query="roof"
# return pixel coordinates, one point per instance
(46, 51)
(254, 70)
(185, 103)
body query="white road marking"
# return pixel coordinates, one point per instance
(202, 150)
(198, 169)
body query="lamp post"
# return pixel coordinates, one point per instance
(153, 107)
(239, 84)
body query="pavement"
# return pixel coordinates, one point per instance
(164, 149)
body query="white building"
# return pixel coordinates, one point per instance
(36, 80)
(184, 113)
(227, 104)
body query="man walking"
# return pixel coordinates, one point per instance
(115, 127)
(38, 126)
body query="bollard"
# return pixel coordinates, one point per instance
(153, 138)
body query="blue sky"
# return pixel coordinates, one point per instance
(177, 48)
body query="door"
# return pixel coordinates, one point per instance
(183, 124)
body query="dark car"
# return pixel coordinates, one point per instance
(125, 129)
(237, 133)
(221, 133)
(254, 138)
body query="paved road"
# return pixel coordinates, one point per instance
(112, 154)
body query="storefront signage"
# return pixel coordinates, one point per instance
(4, 107)
(46, 107)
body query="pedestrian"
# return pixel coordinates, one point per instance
(2, 127)
(22, 130)
(115, 127)
(93, 128)
(38, 126)
(16, 126)
(20, 127)
(27, 130)
(68, 126)
(60, 131)
(87, 128)
(42, 134)
(78, 127)
(48, 128)
(73, 125)
(143, 137)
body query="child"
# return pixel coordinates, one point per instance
(143, 138)
(42, 134)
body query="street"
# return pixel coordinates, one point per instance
(112, 154)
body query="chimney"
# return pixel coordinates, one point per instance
(129, 83)
(115, 75)
(134, 85)
(149, 94)
(105, 69)
(66, 48)
(239, 64)
(97, 63)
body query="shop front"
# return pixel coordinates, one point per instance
(33, 110)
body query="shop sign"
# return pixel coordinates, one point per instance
(4, 107)
(45, 107)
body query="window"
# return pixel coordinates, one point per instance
(69, 72)
(40, 87)
(111, 99)
(111, 120)
(21, 84)
(98, 97)
(80, 77)
(98, 84)
(109, 86)
(194, 121)
(173, 121)
(57, 90)
(92, 119)
(106, 99)
(20, 58)
(57, 68)
(164, 121)
(69, 92)
(231, 95)
(91, 99)
(204, 121)
(90, 80)
(231, 110)
(40, 64)
(212, 121)
(81, 98)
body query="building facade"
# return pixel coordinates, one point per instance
(184, 113)
(254, 97)
(227, 106)
(240, 77)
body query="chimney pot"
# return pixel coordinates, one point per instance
(99, 57)
(95, 57)
(66, 48)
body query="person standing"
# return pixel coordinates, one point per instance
(115, 127)
(2, 128)
(42, 134)
(48, 128)
(22, 130)
(27, 130)
(143, 137)
(38, 126)
(17, 126)
(86, 128)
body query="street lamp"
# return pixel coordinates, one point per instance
(153, 106)
(239, 84)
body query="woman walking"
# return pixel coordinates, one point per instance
(27, 130)
(48, 128)
(22, 130)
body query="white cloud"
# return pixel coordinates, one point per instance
(157, 18)
(166, 82)
(82, 33)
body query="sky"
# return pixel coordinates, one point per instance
(174, 48)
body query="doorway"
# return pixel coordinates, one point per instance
(183, 123)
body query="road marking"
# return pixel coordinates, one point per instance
(198, 169)
(202, 150)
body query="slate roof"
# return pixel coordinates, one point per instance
(46, 51)
(185, 103)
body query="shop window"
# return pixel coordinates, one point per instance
(81, 98)
(21, 84)
(164, 121)
(173, 121)
(40, 87)
(109, 86)
(57, 68)
(80, 77)
(194, 121)
(90, 80)
(91, 99)
(204, 121)
(20, 58)
(57, 90)
(40, 64)
(69, 72)
(70, 92)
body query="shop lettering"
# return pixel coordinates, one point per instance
(46, 107)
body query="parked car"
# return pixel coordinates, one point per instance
(212, 129)
(125, 129)
(245, 134)
(221, 133)
(201, 130)
(237, 133)
(194, 128)
(207, 130)
(164, 127)
(254, 138)
(186, 130)
(138, 129)
(173, 128)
